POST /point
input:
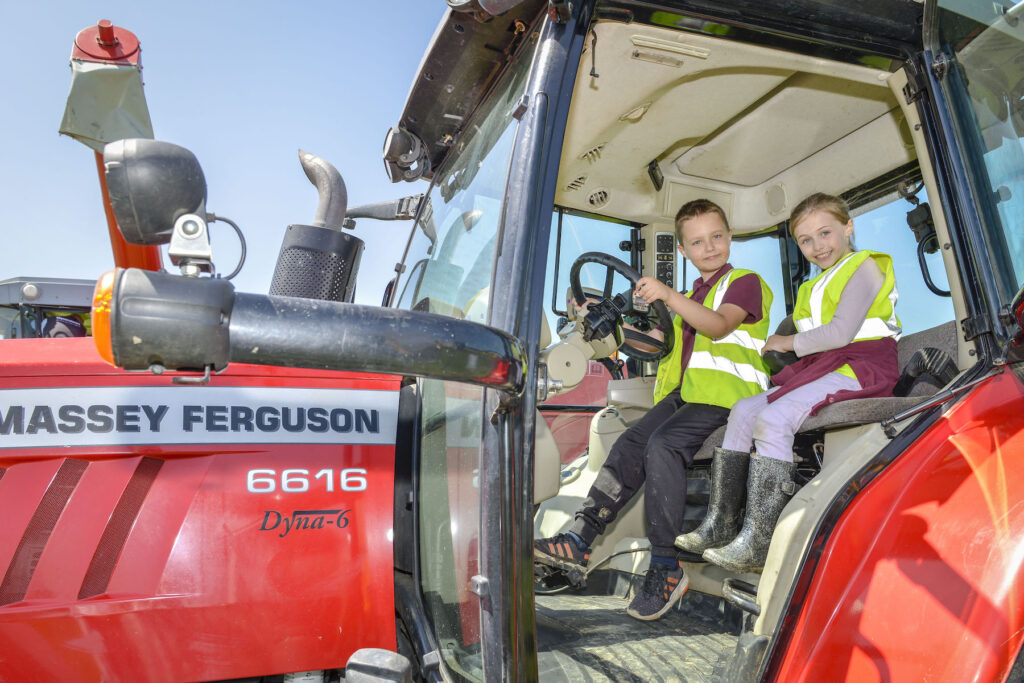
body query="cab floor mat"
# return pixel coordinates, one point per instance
(591, 638)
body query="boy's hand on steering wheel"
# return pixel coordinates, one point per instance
(650, 290)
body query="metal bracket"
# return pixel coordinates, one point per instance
(189, 248)
(559, 10)
(479, 586)
(911, 93)
(940, 66)
(976, 326)
(913, 90)
(521, 106)
(208, 372)
(505, 404)
(432, 660)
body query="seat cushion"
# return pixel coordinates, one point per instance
(864, 410)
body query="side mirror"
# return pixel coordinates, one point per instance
(151, 185)
(405, 156)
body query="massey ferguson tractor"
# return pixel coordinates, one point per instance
(293, 487)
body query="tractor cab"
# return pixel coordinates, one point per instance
(45, 307)
(572, 162)
(559, 140)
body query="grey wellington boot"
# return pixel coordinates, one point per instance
(722, 523)
(769, 487)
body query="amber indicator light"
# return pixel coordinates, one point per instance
(102, 302)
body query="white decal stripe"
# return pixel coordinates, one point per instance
(106, 416)
(748, 373)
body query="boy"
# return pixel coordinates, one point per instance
(720, 327)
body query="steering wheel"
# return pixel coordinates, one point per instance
(657, 314)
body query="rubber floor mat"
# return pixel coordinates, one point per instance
(591, 638)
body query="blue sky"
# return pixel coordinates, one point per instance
(242, 85)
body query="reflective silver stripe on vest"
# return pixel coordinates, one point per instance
(737, 336)
(818, 291)
(876, 327)
(871, 328)
(748, 373)
(720, 290)
(742, 338)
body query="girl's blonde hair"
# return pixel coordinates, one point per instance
(819, 201)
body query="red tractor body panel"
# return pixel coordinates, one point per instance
(921, 579)
(257, 547)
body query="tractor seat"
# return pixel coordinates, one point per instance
(860, 411)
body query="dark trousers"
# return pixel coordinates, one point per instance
(656, 450)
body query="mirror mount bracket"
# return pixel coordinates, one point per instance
(189, 248)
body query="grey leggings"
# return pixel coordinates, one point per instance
(770, 427)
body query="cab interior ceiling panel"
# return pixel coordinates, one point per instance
(744, 124)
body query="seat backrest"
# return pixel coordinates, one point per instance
(786, 326)
(941, 337)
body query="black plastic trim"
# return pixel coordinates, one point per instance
(458, 70)
(566, 408)
(507, 465)
(409, 608)
(840, 31)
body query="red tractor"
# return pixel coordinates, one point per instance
(367, 508)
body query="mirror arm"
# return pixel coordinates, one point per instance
(339, 336)
(403, 208)
(160, 321)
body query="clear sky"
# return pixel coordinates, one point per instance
(243, 85)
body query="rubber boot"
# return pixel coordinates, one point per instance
(769, 487)
(722, 523)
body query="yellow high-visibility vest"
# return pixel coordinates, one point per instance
(817, 300)
(720, 371)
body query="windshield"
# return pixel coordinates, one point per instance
(985, 40)
(450, 256)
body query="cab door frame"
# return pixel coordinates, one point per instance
(506, 486)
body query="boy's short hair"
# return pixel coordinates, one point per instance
(819, 201)
(697, 207)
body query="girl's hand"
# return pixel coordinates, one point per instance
(651, 290)
(778, 342)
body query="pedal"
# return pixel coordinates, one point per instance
(549, 578)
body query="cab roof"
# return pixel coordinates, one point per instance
(466, 54)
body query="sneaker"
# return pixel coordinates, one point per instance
(561, 551)
(662, 588)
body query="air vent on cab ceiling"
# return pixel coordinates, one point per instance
(598, 198)
(576, 183)
(593, 154)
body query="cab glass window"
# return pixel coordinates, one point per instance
(885, 229)
(761, 255)
(571, 236)
(10, 322)
(451, 253)
(985, 43)
(449, 264)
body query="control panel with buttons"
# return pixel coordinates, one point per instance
(665, 258)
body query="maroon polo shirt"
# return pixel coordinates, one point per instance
(744, 292)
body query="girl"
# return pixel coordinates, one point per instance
(846, 345)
